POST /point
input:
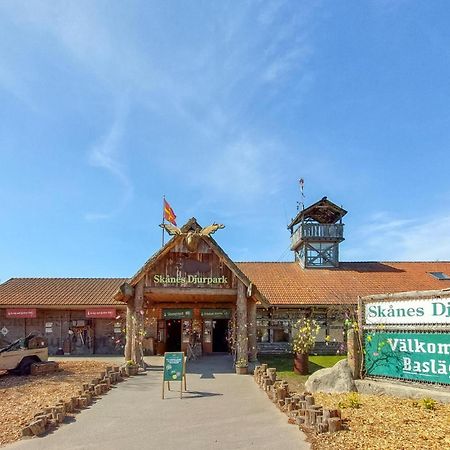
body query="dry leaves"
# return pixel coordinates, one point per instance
(22, 397)
(384, 422)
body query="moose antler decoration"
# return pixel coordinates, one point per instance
(191, 237)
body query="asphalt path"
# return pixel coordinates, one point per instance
(221, 410)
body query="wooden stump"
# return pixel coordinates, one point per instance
(37, 427)
(334, 424)
(26, 431)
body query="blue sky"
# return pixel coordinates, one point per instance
(221, 106)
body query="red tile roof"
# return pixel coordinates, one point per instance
(286, 283)
(60, 291)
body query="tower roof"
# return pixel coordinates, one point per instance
(323, 211)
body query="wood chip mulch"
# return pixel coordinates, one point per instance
(384, 422)
(23, 397)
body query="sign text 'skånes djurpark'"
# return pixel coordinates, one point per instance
(404, 312)
(189, 279)
(418, 356)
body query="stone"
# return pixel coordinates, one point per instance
(336, 379)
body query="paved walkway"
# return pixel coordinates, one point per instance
(221, 411)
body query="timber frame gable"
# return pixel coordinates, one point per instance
(168, 259)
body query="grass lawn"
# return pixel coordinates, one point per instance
(284, 365)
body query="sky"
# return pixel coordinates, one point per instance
(222, 107)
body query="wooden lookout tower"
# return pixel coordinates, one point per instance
(316, 233)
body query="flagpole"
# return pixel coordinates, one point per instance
(163, 218)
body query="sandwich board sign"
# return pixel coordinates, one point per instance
(174, 370)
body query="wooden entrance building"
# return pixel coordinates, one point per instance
(191, 296)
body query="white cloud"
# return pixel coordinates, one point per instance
(386, 238)
(105, 155)
(206, 81)
(243, 169)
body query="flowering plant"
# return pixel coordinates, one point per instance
(304, 334)
(242, 362)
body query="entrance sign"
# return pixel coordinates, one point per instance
(424, 311)
(406, 336)
(215, 313)
(174, 370)
(21, 313)
(189, 279)
(408, 356)
(178, 313)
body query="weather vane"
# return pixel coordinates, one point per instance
(301, 202)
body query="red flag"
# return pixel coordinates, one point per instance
(169, 215)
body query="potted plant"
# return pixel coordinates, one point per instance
(304, 334)
(131, 368)
(242, 366)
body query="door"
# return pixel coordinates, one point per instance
(173, 335)
(220, 336)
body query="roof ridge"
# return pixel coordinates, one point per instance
(67, 278)
(395, 262)
(266, 262)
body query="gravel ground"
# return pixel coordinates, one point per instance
(23, 397)
(384, 422)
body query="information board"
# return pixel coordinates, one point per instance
(174, 370)
(173, 366)
(408, 356)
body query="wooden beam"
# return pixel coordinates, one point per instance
(190, 291)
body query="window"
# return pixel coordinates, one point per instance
(321, 255)
(440, 275)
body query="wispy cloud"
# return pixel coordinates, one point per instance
(105, 155)
(388, 238)
(206, 81)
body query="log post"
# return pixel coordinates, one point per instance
(241, 313)
(354, 353)
(251, 320)
(129, 329)
(138, 322)
(334, 424)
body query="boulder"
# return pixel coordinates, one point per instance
(336, 379)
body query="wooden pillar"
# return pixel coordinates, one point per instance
(129, 329)
(241, 316)
(251, 319)
(354, 353)
(138, 324)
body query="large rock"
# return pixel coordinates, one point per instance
(336, 379)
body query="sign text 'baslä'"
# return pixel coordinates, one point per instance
(408, 356)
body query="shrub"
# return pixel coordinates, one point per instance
(352, 401)
(428, 403)
(304, 334)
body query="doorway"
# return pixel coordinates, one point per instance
(220, 336)
(173, 335)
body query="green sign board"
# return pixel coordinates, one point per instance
(408, 356)
(173, 366)
(177, 313)
(215, 313)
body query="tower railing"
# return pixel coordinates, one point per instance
(317, 232)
